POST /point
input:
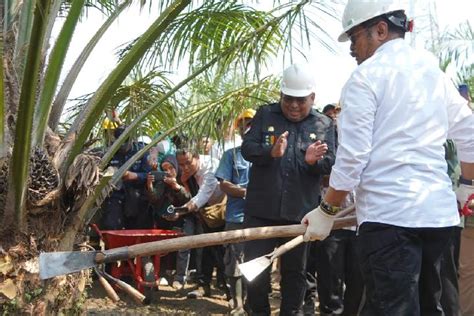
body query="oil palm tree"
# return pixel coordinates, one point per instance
(49, 183)
(457, 50)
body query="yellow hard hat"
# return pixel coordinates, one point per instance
(109, 124)
(246, 114)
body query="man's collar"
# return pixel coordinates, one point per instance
(393, 44)
(276, 107)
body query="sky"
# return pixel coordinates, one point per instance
(331, 69)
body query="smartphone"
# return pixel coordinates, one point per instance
(159, 175)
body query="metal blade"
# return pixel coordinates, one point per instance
(58, 263)
(252, 268)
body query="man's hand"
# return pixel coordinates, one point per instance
(279, 148)
(463, 192)
(192, 207)
(319, 225)
(149, 182)
(129, 176)
(172, 183)
(315, 152)
(171, 217)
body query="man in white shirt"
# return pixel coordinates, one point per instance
(198, 178)
(398, 108)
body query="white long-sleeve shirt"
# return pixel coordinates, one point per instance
(209, 190)
(398, 108)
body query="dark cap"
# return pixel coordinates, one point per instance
(119, 131)
(328, 108)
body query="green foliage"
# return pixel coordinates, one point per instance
(26, 108)
(457, 49)
(55, 64)
(225, 43)
(89, 117)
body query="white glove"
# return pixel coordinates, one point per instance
(319, 225)
(463, 192)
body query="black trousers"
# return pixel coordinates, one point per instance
(212, 256)
(449, 276)
(401, 268)
(340, 284)
(293, 272)
(311, 282)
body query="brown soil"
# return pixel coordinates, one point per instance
(166, 301)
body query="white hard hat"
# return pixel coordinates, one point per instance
(359, 11)
(298, 81)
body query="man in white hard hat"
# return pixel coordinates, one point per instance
(398, 108)
(290, 146)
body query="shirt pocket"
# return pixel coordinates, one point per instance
(270, 133)
(240, 174)
(308, 137)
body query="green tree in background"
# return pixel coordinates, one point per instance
(49, 182)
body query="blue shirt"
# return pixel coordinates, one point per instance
(235, 169)
(140, 167)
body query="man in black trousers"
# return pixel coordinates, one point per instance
(290, 146)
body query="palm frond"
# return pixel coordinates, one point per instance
(203, 33)
(53, 71)
(458, 45)
(23, 34)
(227, 55)
(2, 96)
(73, 73)
(21, 148)
(55, 7)
(88, 118)
(222, 110)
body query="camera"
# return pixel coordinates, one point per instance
(159, 175)
(173, 209)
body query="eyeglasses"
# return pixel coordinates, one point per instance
(291, 99)
(353, 36)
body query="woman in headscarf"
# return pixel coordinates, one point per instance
(166, 192)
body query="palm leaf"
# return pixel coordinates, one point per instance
(21, 148)
(458, 45)
(55, 7)
(234, 51)
(73, 73)
(23, 34)
(2, 96)
(88, 118)
(53, 71)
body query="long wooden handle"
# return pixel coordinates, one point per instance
(130, 290)
(109, 290)
(211, 239)
(287, 247)
(299, 239)
(345, 212)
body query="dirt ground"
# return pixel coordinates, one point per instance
(167, 301)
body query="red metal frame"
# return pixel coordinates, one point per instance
(133, 267)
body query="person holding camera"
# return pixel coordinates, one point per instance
(164, 193)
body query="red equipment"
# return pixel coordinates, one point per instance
(467, 210)
(133, 267)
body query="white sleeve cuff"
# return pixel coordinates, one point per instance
(341, 182)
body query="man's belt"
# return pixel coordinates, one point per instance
(466, 181)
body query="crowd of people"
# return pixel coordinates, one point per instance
(385, 146)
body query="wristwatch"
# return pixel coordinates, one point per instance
(329, 209)
(466, 181)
